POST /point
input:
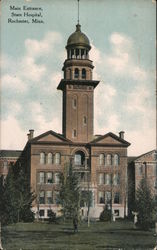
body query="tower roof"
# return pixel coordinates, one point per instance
(78, 38)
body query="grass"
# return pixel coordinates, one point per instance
(100, 235)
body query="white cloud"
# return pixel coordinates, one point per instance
(38, 117)
(13, 82)
(31, 70)
(12, 136)
(104, 94)
(55, 79)
(95, 55)
(139, 100)
(35, 48)
(120, 43)
(120, 61)
(141, 141)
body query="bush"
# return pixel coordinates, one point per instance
(105, 214)
(52, 217)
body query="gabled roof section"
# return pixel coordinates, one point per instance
(49, 136)
(149, 156)
(110, 138)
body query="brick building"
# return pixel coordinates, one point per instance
(146, 166)
(101, 160)
(8, 158)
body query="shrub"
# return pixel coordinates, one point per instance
(52, 217)
(105, 215)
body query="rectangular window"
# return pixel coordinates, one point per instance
(57, 178)
(116, 179)
(49, 177)
(101, 197)
(101, 178)
(41, 177)
(107, 179)
(74, 103)
(42, 213)
(49, 197)
(116, 198)
(74, 133)
(42, 197)
(57, 158)
(84, 120)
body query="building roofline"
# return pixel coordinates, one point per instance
(146, 153)
(113, 136)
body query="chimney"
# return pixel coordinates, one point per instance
(31, 131)
(121, 134)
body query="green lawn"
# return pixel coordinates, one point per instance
(100, 235)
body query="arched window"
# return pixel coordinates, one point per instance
(116, 160)
(76, 75)
(49, 160)
(83, 74)
(101, 159)
(42, 158)
(79, 158)
(57, 158)
(109, 160)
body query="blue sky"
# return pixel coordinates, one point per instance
(122, 35)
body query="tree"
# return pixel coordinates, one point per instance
(69, 195)
(144, 205)
(52, 216)
(16, 197)
(86, 200)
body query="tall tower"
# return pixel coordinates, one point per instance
(78, 89)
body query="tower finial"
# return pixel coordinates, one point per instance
(78, 12)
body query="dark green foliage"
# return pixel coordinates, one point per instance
(15, 196)
(105, 214)
(145, 205)
(69, 195)
(52, 217)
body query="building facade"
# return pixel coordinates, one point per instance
(101, 160)
(8, 158)
(146, 167)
